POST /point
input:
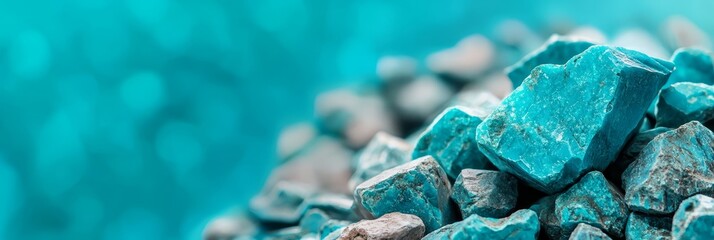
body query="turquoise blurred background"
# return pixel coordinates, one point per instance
(143, 119)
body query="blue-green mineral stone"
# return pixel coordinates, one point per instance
(630, 152)
(313, 220)
(523, 224)
(566, 120)
(642, 226)
(694, 220)
(692, 65)
(451, 140)
(419, 187)
(557, 50)
(673, 166)
(594, 201)
(485, 193)
(587, 232)
(550, 225)
(684, 102)
(331, 226)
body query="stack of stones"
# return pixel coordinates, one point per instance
(594, 142)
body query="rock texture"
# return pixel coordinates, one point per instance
(675, 165)
(694, 219)
(485, 193)
(587, 232)
(389, 226)
(642, 226)
(557, 50)
(566, 120)
(550, 225)
(523, 224)
(383, 152)
(684, 102)
(630, 152)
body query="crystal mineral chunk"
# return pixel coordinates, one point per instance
(419, 187)
(557, 50)
(587, 232)
(694, 219)
(523, 224)
(383, 152)
(630, 152)
(642, 226)
(675, 165)
(684, 102)
(390, 226)
(566, 120)
(594, 201)
(693, 65)
(451, 141)
(485, 193)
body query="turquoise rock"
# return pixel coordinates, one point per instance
(694, 219)
(383, 152)
(451, 140)
(587, 232)
(630, 152)
(313, 220)
(675, 165)
(390, 226)
(420, 188)
(594, 201)
(692, 65)
(557, 50)
(684, 102)
(523, 224)
(330, 226)
(485, 193)
(642, 226)
(550, 225)
(566, 120)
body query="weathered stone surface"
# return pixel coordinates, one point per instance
(383, 152)
(675, 165)
(485, 193)
(694, 219)
(594, 201)
(684, 102)
(419, 187)
(390, 226)
(557, 50)
(642, 226)
(451, 140)
(587, 232)
(630, 152)
(331, 226)
(566, 120)
(523, 224)
(550, 225)
(313, 220)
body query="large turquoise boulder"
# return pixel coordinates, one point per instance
(674, 166)
(643, 226)
(594, 201)
(566, 120)
(694, 220)
(419, 187)
(550, 225)
(684, 102)
(451, 140)
(587, 232)
(523, 224)
(485, 193)
(630, 152)
(692, 65)
(557, 50)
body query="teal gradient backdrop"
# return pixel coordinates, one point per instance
(142, 119)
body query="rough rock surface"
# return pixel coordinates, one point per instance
(694, 219)
(523, 224)
(383, 152)
(451, 140)
(419, 187)
(389, 226)
(587, 232)
(675, 165)
(557, 50)
(630, 152)
(550, 225)
(684, 102)
(642, 226)
(693, 65)
(485, 193)
(566, 120)
(594, 201)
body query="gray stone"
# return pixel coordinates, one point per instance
(485, 193)
(390, 226)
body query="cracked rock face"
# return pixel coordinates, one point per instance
(523, 224)
(685, 102)
(694, 219)
(557, 50)
(642, 226)
(390, 226)
(419, 187)
(451, 141)
(587, 232)
(675, 165)
(594, 201)
(485, 193)
(630, 152)
(550, 140)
